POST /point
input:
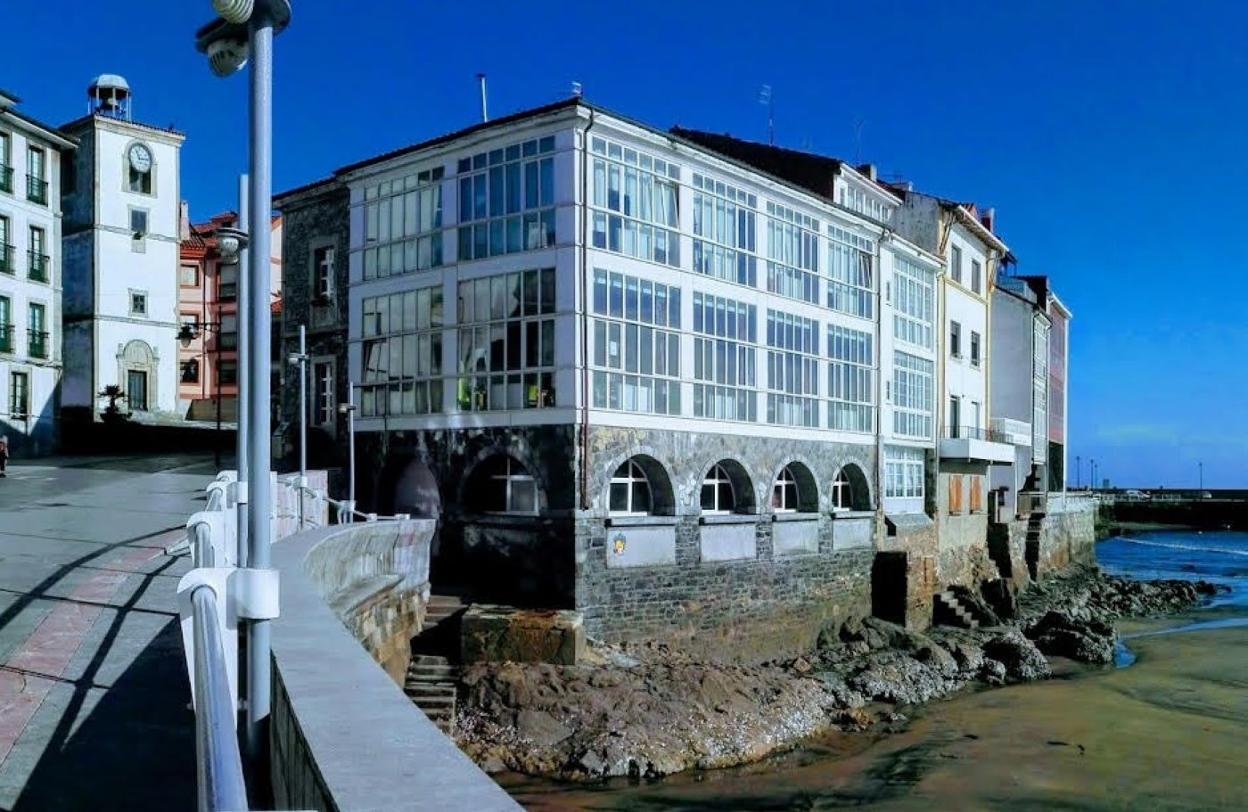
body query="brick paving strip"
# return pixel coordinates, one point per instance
(37, 664)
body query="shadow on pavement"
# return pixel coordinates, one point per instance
(135, 750)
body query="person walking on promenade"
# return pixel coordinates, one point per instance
(4, 454)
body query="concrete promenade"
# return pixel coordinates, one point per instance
(93, 691)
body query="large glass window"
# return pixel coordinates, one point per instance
(793, 251)
(507, 200)
(724, 224)
(792, 370)
(913, 396)
(903, 472)
(402, 354)
(851, 394)
(402, 227)
(635, 203)
(507, 341)
(636, 349)
(913, 303)
(851, 288)
(725, 332)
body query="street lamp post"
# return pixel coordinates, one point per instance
(1078, 470)
(245, 29)
(348, 409)
(300, 359)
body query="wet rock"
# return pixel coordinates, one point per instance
(1088, 641)
(1022, 660)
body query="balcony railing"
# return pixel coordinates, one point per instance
(6, 179)
(36, 190)
(6, 338)
(38, 266)
(6, 258)
(38, 344)
(974, 433)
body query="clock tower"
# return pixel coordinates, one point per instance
(121, 201)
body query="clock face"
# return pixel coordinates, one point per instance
(140, 158)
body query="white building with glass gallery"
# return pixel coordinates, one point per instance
(596, 348)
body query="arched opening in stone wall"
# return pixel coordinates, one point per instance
(640, 486)
(726, 488)
(795, 490)
(416, 491)
(850, 490)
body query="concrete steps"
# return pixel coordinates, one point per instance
(430, 684)
(956, 613)
(432, 676)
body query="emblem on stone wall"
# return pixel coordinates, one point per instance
(618, 543)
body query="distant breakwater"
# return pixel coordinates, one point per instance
(1202, 514)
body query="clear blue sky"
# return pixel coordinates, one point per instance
(1110, 137)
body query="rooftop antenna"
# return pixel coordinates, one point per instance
(485, 115)
(859, 123)
(766, 97)
(577, 90)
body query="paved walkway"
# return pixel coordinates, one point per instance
(93, 691)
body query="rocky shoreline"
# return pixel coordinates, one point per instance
(650, 711)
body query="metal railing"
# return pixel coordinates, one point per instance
(6, 259)
(38, 266)
(36, 190)
(6, 338)
(974, 433)
(345, 511)
(38, 344)
(219, 762)
(6, 178)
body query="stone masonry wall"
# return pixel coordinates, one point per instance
(750, 608)
(311, 218)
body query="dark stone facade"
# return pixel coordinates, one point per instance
(314, 215)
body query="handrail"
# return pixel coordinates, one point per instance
(344, 507)
(220, 765)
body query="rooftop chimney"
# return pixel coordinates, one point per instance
(989, 219)
(184, 221)
(870, 171)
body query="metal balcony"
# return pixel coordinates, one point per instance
(38, 266)
(37, 190)
(38, 344)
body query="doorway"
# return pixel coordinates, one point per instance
(136, 390)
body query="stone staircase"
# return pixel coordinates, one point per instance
(432, 673)
(953, 611)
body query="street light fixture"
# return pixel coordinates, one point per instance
(244, 32)
(348, 409)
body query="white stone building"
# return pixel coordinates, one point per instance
(30, 278)
(121, 244)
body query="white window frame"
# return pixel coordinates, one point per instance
(633, 473)
(842, 492)
(325, 416)
(779, 492)
(715, 477)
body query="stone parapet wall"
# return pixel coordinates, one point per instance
(342, 734)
